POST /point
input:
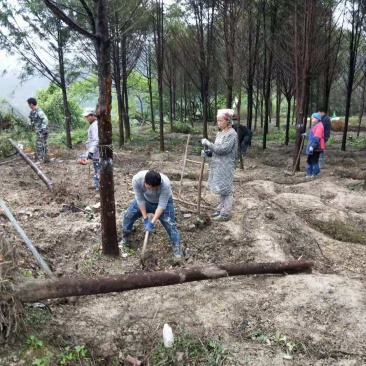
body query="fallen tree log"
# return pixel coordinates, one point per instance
(38, 171)
(36, 290)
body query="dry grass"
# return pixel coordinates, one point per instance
(11, 310)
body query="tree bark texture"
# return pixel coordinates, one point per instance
(67, 113)
(37, 290)
(108, 209)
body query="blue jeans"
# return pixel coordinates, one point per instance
(167, 219)
(96, 174)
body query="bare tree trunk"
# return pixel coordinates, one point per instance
(288, 116)
(149, 82)
(117, 82)
(358, 15)
(362, 107)
(159, 47)
(100, 36)
(278, 106)
(64, 95)
(108, 209)
(126, 116)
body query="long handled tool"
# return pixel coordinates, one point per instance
(297, 159)
(298, 156)
(142, 257)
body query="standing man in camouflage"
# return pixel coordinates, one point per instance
(38, 120)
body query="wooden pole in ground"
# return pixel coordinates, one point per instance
(38, 171)
(184, 164)
(36, 290)
(28, 243)
(200, 186)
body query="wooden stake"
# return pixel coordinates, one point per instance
(184, 164)
(38, 171)
(200, 185)
(26, 239)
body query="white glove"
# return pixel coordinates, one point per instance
(311, 149)
(203, 153)
(205, 142)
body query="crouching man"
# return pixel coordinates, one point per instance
(152, 195)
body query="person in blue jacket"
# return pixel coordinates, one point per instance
(314, 146)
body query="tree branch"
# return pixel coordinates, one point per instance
(61, 15)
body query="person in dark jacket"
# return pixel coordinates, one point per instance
(245, 138)
(326, 125)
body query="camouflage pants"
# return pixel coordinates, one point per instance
(41, 144)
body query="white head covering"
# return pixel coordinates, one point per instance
(225, 113)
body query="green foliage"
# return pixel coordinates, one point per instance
(188, 349)
(182, 128)
(84, 91)
(277, 135)
(38, 316)
(359, 142)
(46, 355)
(44, 361)
(71, 355)
(34, 342)
(289, 346)
(51, 101)
(17, 130)
(27, 272)
(77, 136)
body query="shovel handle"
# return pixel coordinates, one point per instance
(142, 258)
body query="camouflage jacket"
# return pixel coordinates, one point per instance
(38, 119)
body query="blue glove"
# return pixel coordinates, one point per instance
(205, 142)
(149, 226)
(303, 135)
(204, 153)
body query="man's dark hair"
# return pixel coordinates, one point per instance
(153, 178)
(321, 109)
(32, 101)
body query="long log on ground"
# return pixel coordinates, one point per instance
(37, 290)
(38, 171)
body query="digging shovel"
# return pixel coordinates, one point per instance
(142, 257)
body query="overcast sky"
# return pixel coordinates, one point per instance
(10, 87)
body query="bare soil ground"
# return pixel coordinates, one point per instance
(277, 217)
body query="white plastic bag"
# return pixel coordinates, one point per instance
(168, 336)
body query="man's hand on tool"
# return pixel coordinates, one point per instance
(303, 135)
(82, 161)
(203, 153)
(205, 142)
(149, 226)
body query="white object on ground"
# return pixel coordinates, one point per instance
(168, 336)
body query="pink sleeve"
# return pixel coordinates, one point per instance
(319, 131)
